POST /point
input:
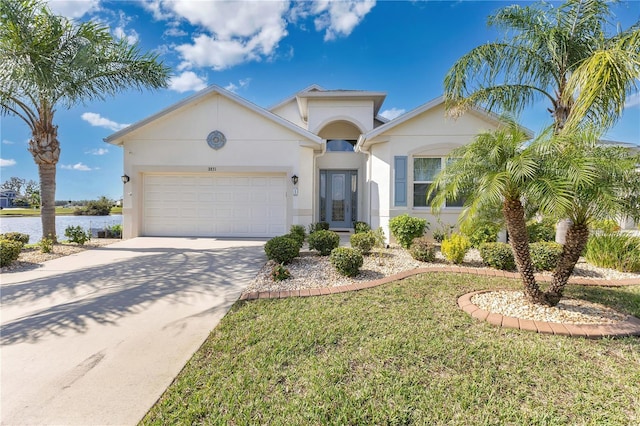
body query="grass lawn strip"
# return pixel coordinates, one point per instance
(403, 353)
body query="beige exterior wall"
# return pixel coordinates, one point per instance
(324, 111)
(428, 134)
(177, 144)
(290, 112)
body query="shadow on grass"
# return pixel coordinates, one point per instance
(106, 293)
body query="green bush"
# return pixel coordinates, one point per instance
(346, 260)
(544, 230)
(318, 226)
(9, 251)
(16, 236)
(324, 241)
(46, 244)
(114, 231)
(615, 251)
(482, 233)
(455, 248)
(280, 272)
(405, 228)
(607, 226)
(299, 231)
(497, 255)
(297, 238)
(545, 255)
(360, 227)
(364, 241)
(100, 207)
(423, 250)
(282, 249)
(76, 234)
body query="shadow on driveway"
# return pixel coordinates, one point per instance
(103, 294)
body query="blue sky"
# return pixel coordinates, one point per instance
(266, 51)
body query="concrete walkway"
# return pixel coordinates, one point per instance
(96, 337)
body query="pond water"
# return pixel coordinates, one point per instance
(32, 225)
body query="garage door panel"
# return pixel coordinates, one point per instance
(216, 205)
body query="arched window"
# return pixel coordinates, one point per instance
(340, 145)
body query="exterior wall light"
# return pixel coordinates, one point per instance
(125, 178)
(294, 179)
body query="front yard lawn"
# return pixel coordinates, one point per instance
(403, 353)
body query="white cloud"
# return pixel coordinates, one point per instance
(339, 18)
(73, 8)
(7, 142)
(186, 82)
(98, 121)
(232, 87)
(392, 113)
(98, 151)
(132, 36)
(78, 166)
(175, 32)
(633, 100)
(7, 162)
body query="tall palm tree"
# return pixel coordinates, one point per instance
(604, 183)
(498, 167)
(49, 61)
(561, 55)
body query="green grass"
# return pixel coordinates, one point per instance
(60, 211)
(402, 353)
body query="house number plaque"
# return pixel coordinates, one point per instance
(216, 139)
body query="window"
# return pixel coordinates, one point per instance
(425, 170)
(340, 145)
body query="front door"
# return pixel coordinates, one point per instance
(339, 197)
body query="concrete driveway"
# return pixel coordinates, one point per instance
(96, 337)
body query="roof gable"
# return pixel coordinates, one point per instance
(117, 137)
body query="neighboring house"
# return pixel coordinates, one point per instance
(7, 198)
(216, 164)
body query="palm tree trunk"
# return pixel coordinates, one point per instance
(576, 240)
(45, 148)
(516, 226)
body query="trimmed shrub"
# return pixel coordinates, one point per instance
(282, 249)
(299, 231)
(405, 228)
(318, 226)
(545, 255)
(455, 248)
(607, 226)
(46, 244)
(497, 255)
(114, 231)
(346, 260)
(363, 241)
(324, 241)
(76, 234)
(483, 233)
(423, 250)
(280, 272)
(615, 251)
(545, 230)
(16, 236)
(296, 237)
(9, 251)
(360, 227)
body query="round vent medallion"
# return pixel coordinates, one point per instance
(216, 139)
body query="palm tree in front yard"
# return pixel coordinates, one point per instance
(497, 168)
(49, 61)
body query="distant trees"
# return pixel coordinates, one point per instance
(100, 207)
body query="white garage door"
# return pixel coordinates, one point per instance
(216, 205)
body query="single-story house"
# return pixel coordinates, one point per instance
(215, 164)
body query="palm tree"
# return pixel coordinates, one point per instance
(49, 61)
(562, 55)
(498, 168)
(604, 183)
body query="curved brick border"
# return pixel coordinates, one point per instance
(450, 269)
(630, 327)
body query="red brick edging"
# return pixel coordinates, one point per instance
(451, 269)
(629, 327)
